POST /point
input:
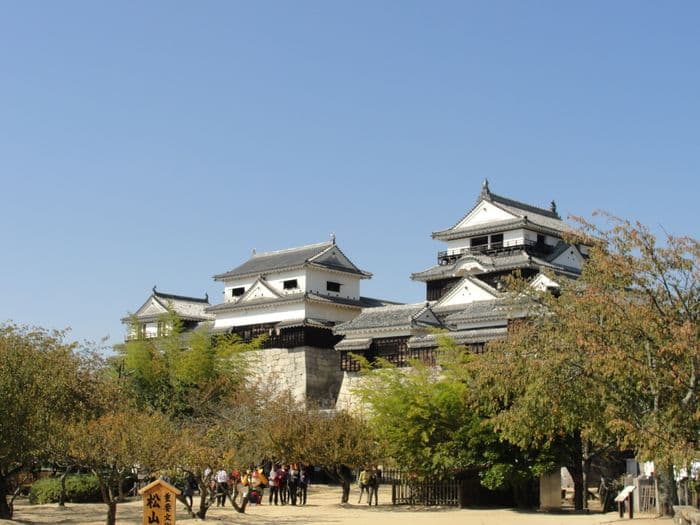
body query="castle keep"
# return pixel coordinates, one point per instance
(307, 299)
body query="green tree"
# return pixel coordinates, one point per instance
(184, 374)
(431, 424)
(115, 443)
(42, 385)
(540, 400)
(614, 353)
(337, 441)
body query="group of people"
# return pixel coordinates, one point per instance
(287, 484)
(368, 480)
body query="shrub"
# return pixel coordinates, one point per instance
(80, 488)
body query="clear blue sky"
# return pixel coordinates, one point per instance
(148, 143)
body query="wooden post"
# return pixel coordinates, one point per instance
(625, 495)
(159, 500)
(631, 503)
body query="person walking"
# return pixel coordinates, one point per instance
(282, 484)
(373, 486)
(304, 481)
(293, 483)
(274, 486)
(221, 478)
(363, 482)
(188, 488)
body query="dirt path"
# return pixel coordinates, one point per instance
(322, 508)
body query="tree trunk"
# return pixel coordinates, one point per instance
(107, 498)
(62, 494)
(575, 466)
(112, 512)
(344, 475)
(576, 471)
(585, 470)
(667, 496)
(5, 507)
(244, 502)
(203, 500)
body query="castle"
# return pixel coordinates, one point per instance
(307, 299)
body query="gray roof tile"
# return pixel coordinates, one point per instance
(263, 263)
(538, 218)
(393, 316)
(492, 263)
(462, 337)
(363, 302)
(187, 308)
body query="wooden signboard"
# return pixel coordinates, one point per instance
(622, 496)
(159, 503)
(625, 496)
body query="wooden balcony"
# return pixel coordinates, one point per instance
(449, 256)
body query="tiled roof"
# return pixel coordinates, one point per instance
(461, 337)
(195, 311)
(354, 344)
(475, 311)
(187, 308)
(363, 302)
(526, 215)
(482, 311)
(533, 223)
(494, 263)
(262, 263)
(393, 316)
(309, 321)
(560, 248)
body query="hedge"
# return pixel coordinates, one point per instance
(80, 488)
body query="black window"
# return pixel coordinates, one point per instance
(497, 240)
(290, 284)
(237, 292)
(332, 287)
(540, 239)
(480, 241)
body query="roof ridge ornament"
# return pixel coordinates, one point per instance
(333, 238)
(154, 289)
(485, 191)
(553, 208)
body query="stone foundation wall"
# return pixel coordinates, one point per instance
(347, 400)
(308, 373)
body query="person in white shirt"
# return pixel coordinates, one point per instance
(274, 487)
(221, 478)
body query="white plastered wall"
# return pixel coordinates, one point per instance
(331, 313)
(274, 281)
(316, 282)
(270, 314)
(466, 292)
(484, 213)
(570, 258)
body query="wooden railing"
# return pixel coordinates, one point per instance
(400, 359)
(447, 256)
(425, 492)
